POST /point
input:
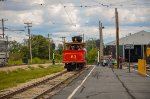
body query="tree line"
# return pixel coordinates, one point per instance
(40, 51)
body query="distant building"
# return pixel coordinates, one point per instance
(140, 40)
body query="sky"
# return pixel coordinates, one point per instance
(67, 18)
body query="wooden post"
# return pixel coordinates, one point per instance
(117, 37)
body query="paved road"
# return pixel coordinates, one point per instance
(105, 83)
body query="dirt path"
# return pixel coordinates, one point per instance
(12, 68)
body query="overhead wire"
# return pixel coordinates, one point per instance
(66, 12)
(108, 4)
(81, 2)
(81, 6)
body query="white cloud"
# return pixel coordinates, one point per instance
(38, 1)
(50, 16)
(34, 16)
(134, 15)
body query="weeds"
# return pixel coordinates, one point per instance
(12, 78)
(41, 66)
(31, 68)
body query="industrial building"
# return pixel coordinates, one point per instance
(138, 40)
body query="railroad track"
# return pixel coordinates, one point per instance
(44, 88)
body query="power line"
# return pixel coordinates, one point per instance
(81, 2)
(66, 12)
(2, 0)
(116, 4)
(13, 30)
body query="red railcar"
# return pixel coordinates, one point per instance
(74, 54)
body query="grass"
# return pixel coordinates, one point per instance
(41, 66)
(12, 78)
(14, 62)
(34, 61)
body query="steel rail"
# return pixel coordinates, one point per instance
(74, 76)
(12, 93)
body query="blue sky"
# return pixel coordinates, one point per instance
(74, 17)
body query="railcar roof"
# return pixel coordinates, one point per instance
(69, 43)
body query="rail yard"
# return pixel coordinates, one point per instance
(42, 87)
(74, 49)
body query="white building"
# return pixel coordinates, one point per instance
(139, 40)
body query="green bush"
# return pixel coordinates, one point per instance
(91, 56)
(37, 60)
(14, 62)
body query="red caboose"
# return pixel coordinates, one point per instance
(74, 54)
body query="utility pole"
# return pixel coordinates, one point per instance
(117, 37)
(28, 26)
(83, 37)
(3, 28)
(101, 41)
(49, 51)
(63, 39)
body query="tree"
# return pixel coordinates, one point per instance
(25, 51)
(15, 50)
(40, 46)
(14, 46)
(90, 44)
(58, 52)
(91, 55)
(91, 50)
(60, 48)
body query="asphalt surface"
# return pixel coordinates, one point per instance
(105, 83)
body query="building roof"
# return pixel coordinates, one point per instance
(139, 38)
